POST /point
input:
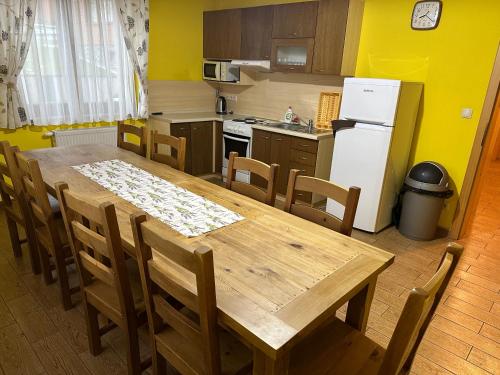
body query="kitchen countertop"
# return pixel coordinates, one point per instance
(176, 118)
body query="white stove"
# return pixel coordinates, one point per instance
(237, 136)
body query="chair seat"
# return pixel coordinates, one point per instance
(105, 298)
(336, 349)
(236, 358)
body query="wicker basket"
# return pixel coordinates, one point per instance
(328, 109)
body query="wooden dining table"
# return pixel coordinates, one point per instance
(278, 277)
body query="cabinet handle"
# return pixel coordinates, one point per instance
(293, 34)
(303, 158)
(301, 145)
(291, 68)
(278, 139)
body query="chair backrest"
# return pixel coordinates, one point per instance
(10, 185)
(37, 199)
(268, 172)
(177, 157)
(417, 313)
(139, 132)
(347, 198)
(157, 281)
(95, 241)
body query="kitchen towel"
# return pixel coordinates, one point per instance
(182, 210)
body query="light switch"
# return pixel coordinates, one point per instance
(466, 112)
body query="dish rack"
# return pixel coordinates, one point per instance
(328, 109)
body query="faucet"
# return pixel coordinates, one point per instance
(309, 123)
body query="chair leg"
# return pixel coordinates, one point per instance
(33, 250)
(45, 263)
(159, 364)
(133, 354)
(14, 237)
(62, 277)
(93, 333)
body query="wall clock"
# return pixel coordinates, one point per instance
(426, 15)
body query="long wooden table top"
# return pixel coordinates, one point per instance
(277, 276)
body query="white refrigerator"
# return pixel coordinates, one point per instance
(373, 154)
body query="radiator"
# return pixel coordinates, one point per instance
(103, 135)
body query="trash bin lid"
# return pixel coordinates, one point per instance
(428, 176)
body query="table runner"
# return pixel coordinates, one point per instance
(182, 210)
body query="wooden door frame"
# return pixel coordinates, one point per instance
(470, 184)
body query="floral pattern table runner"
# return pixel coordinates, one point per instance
(184, 211)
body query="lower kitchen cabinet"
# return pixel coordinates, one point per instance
(183, 130)
(311, 157)
(218, 146)
(261, 150)
(280, 154)
(199, 145)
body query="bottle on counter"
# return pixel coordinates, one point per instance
(289, 115)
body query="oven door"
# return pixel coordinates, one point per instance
(240, 144)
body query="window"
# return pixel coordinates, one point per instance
(77, 68)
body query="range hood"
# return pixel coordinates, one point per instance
(261, 65)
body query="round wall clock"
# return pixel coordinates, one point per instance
(426, 15)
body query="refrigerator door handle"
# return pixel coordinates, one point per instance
(370, 122)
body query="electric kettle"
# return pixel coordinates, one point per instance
(221, 106)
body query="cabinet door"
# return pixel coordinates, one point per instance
(256, 33)
(222, 34)
(261, 150)
(330, 35)
(305, 170)
(280, 154)
(297, 20)
(201, 148)
(292, 55)
(218, 147)
(183, 130)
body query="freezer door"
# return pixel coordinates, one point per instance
(359, 159)
(370, 103)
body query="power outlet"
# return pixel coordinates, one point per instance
(232, 98)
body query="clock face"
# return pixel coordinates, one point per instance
(426, 15)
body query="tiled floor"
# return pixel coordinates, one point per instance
(38, 337)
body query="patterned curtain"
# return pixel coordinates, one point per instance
(135, 24)
(17, 18)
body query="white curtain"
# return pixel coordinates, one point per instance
(77, 69)
(135, 25)
(16, 27)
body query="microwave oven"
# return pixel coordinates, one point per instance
(222, 71)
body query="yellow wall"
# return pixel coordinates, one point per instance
(176, 39)
(454, 62)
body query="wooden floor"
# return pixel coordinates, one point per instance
(38, 337)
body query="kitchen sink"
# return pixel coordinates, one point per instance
(295, 128)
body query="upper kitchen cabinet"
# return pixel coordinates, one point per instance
(256, 32)
(222, 34)
(330, 36)
(296, 20)
(337, 37)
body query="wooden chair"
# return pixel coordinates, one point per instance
(110, 284)
(183, 325)
(177, 158)
(49, 229)
(268, 172)
(340, 349)
(347, 198)
(14, 205)
(139, 132)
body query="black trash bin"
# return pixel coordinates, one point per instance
(425, 189)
